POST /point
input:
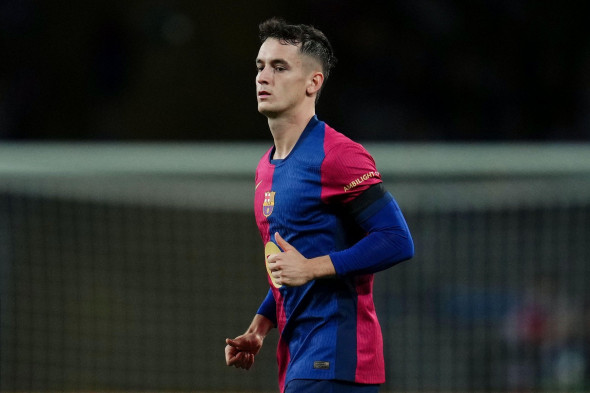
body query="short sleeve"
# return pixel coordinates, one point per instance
(268, 307)
(347, 170)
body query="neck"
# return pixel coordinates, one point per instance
(286, 132)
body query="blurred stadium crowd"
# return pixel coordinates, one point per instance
(417, 70)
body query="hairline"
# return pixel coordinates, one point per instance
(299, 45)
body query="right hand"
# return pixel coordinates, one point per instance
(240, 351)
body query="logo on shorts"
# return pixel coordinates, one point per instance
(269, 203)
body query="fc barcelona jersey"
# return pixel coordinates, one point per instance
(328, 327)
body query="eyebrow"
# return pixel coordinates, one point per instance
(274, 61)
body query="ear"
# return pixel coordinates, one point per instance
(315, 83)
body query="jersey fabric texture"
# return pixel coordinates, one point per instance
(328, 327)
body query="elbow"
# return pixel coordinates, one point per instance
(409, 248)
(409, 245)
(402, 248)
(403, 251)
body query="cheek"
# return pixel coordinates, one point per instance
(296, 88)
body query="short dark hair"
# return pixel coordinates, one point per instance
(313, 42)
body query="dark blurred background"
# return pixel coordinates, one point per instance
(114, 266)
(411, 70)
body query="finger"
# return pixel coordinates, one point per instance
(232, 362)
(249, 361)
(230, 351)
(230, 358)
(235, 360)
(228, 348)
(271, 260)
(277, 278)
(238, 360)
(244, 360)
(282, 243)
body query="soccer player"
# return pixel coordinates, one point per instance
(327, 224)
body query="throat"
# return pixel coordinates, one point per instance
(285, 135)
(281, 154)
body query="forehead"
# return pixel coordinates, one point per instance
(273, 49)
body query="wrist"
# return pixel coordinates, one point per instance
(322, 267)
(260, 326)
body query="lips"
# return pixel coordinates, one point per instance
(263, 94)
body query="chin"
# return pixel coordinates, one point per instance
(267, 111)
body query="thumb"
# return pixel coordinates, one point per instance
(283, 243)
(232, 343)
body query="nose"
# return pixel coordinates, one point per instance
(263, 76)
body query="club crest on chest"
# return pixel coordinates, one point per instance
(269, 203)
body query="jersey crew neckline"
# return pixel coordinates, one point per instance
(313, 122)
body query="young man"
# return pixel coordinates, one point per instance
(327, 225)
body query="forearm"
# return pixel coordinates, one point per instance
(322, 267)
(260, 326)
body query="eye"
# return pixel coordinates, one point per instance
(280, 68)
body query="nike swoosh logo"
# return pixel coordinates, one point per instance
(257, 185)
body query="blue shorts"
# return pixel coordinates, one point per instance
(328, 386)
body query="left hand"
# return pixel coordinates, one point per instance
(289, 268)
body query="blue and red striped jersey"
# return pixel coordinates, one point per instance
(328, 327)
